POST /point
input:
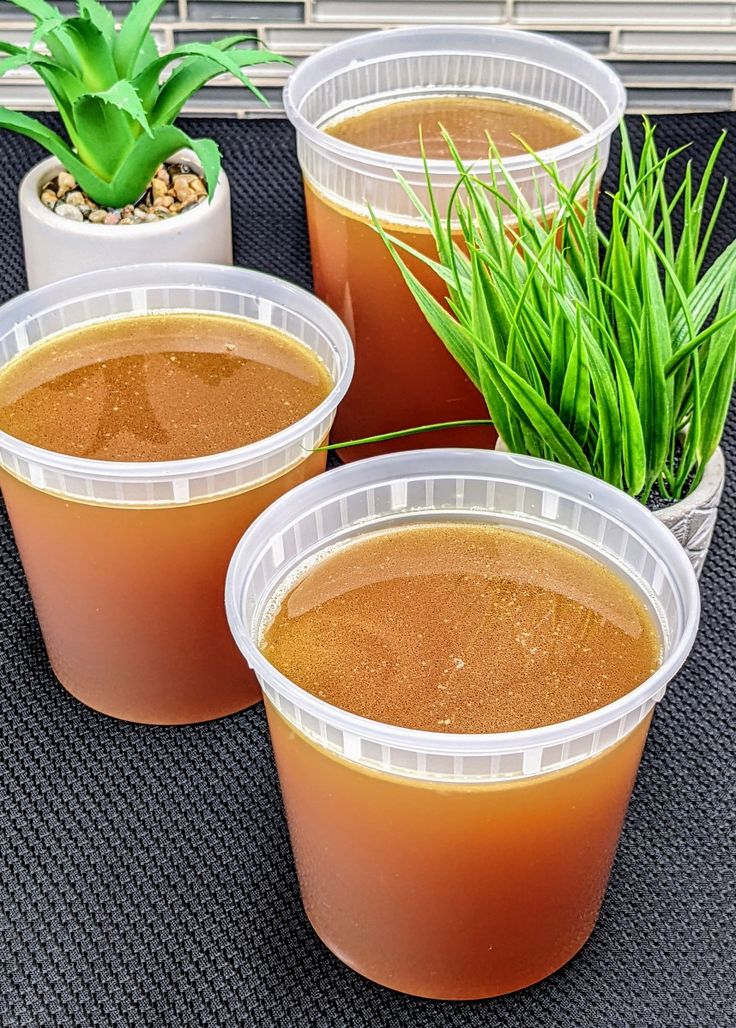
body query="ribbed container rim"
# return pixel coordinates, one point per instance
(191, 275)
(425, 464)
(352, 49)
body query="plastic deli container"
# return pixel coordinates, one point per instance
(126, 561)
(404, 376)
(456, 866)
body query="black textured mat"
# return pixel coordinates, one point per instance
(145, 874)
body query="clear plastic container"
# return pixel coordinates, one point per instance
(456, 866)
(126, 561)
(404, 377)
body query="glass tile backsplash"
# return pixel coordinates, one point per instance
(672, 55)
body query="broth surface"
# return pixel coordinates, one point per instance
(395, 128)
(463, 628)
(159, 387)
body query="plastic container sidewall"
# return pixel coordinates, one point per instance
(503, 63)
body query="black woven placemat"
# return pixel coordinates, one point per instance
(145, 874)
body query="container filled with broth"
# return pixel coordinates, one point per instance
(147, 416)
(460, 653)
(358, 109)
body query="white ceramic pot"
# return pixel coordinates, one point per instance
(56, 248)
(693, 519)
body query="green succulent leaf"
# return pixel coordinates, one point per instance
(18, 60)
(38, 9)
(100, 16)
(200, 63)
(133, 32)
(123, 96)
(208, 154)
(134, 174)
(15, 121)
(107, 84)
(93, 56)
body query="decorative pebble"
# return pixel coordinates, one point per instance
(65, 183)
(174, 189)
(181, 188)
(68, 210)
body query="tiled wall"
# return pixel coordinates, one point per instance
(677, 55)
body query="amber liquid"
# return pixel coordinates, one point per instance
(452, 890)
(404, 376)
(130, 600)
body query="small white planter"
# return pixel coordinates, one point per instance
(56, 248)
(693, 519)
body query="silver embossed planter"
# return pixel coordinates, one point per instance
(693, 519)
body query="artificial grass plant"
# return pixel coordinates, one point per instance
(612, 352)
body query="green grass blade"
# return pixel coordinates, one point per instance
(696, 343)
(651, 385)
(704, 296)
(574, 403)
(456, 338)
(542, 418)
(719, 371)
(402, 433)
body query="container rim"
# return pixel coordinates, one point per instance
(310, 496)
(409, 165)
(181, 275)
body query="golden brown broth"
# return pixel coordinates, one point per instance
(404, 376)
(463, 628)
(159, 387)
(394, 128)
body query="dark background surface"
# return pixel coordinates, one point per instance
(145, 873)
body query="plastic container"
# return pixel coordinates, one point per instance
(404, 376)
(456, 866)
(126, 561)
